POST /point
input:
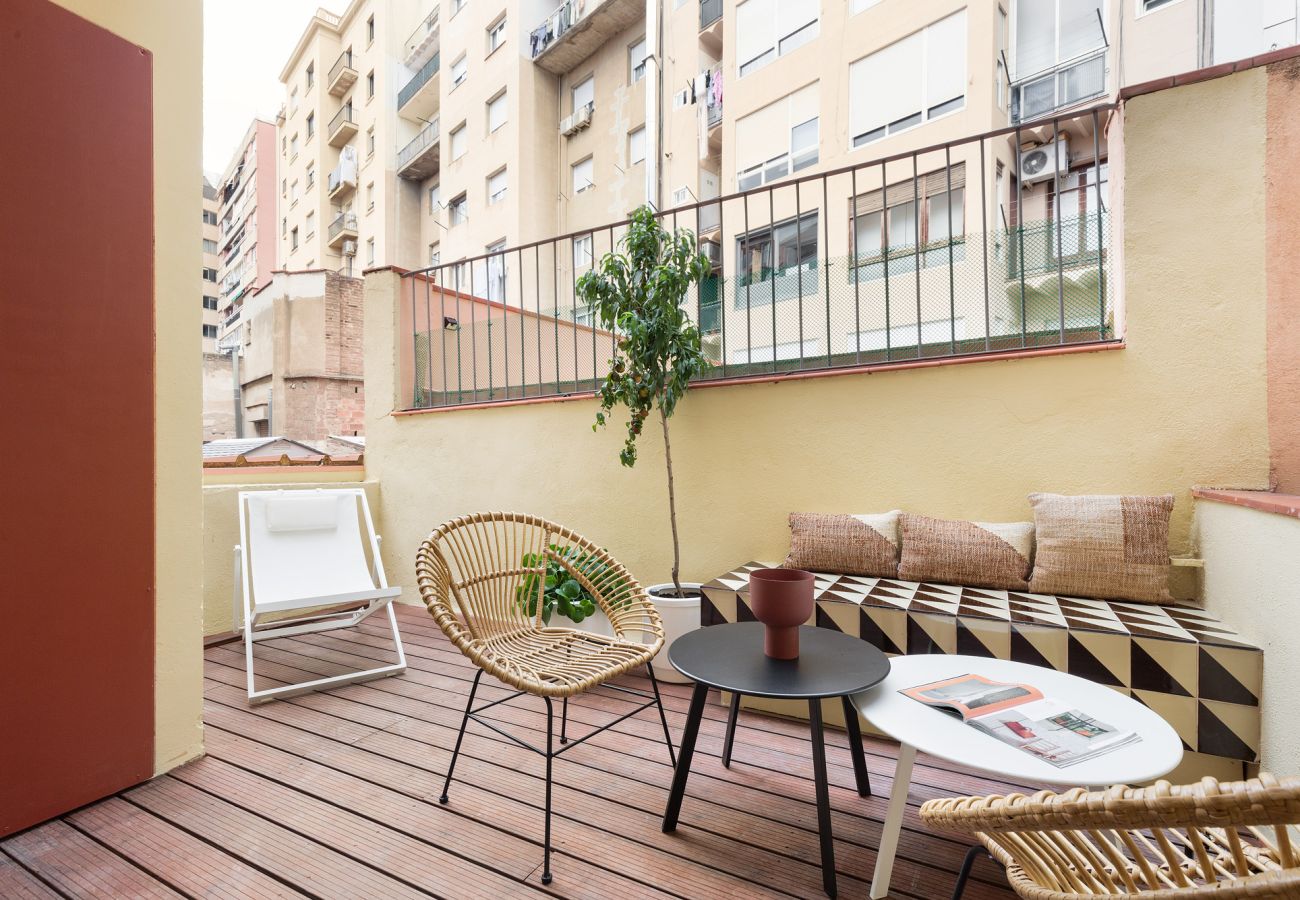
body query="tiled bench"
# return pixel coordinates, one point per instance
(1180, 661)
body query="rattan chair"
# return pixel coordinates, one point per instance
(482, 577)
(1160, 842)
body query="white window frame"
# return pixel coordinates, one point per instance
(589, 178)
(435, 254)
(495, 197)
(504, 110)
(435, 199)
(585, 87)
(495, 271)
(462, 63)
(783, 43)
(583, 248)
(632, 142)
(781, 166)
(496, 35)
(1145, 7)
(370, 251)
(457, 6)
(636, 65)
(459, 135)
(458, 211)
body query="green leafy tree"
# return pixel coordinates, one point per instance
(638, 294)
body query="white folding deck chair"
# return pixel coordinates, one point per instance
(303, 551)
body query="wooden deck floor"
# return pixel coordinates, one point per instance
(334, 795)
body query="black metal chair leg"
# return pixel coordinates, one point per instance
(730, 739)
(663, 717)
(971, 855)
(564, 721)
(550, 755)
(455, 753)
(683, 768)
(855, 748)
(823, 797)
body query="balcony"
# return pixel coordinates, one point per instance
(423, 42)
(711, 25)
(1054, 90)
(342, 76)
(342, 127)
(575, 34)
(419, 158)
(342, 182)
(343, 228)
(418, 98)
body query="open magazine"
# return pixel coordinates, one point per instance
(1019, 715)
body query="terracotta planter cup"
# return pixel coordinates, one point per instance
(782, 599)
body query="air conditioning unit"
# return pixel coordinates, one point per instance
(712, 251)
(580, 119)
(1043, 163)
(349, 248)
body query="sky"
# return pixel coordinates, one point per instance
(245, 44)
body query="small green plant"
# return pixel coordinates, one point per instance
(561, 592)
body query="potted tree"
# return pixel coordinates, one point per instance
(638, 294)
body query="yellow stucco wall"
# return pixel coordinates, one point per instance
(221, 531)
(173, 33)
(1182, 404)
(1252, 579)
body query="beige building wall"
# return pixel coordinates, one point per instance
(211, 274)
(247, 220)
(173, 32)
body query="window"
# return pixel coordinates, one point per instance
(293, 101)
(459, 210)
(457, 6)
(778, 139)
(310, 225)
(435, 202)
(209, 331)
(311, 123)
(582, 256)
(496, 187)
(370, 30)
(496, 271)
(284, 187)
(293, 239)
(459, 140)
(910, 82)
(209, 274)
(583, 173)
(293, 147)
(496, 35)
(858, 6)
(1149, 5)
(370, 84)
(370, 251)
(1059, 55)
(209, 302)
(284, 145)
(942, 196)
(209, 217)
(284, 227)
(766, 29)
(496, 112)
(370, 141)
(583, 93)
(777, 262)
(311, 174)
(636, 146)
(636, 62)
(209, 246)
(459, 71)
(1000, 65)
(293, 192)
(435, 254)
(311, 74)
(370, 196)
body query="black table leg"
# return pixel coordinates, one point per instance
(855, 747)
(823, 797)
(684, 754)
(731, 729)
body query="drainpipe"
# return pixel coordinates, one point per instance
(239, 400)
(653, 105)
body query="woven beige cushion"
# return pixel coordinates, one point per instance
(1107, 546)
(976, 554)
(845, 545)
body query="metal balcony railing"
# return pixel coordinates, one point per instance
(343, 62)
(892, 260)
(428, 27)
(710, 12)
(344, 221)
(1066, 84)
(341, 117)
(419, 80)
(428, 135)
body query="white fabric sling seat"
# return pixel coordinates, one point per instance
(301, 566)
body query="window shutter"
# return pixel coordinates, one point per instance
(755, 29)
(929, 185)
(886, 86)
(791, 15)
(946, 60)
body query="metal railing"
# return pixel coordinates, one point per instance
(339, 176)
(343, 62)
(340, 117)
(1072, 81)
(428, 136)
(418, 80)
(557, 23)
(344, 221)
(710, 12)
(914, 256)
(427, 26)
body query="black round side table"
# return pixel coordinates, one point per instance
(730, 657)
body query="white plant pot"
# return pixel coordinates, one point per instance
(596, 623)
(680, 615)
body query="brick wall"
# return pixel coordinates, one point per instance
(312, 407)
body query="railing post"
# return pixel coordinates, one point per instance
(826, 242)
(853, 268)
(1020, 232)
(886, 235)
(1059, 208)
(984, 221)
(916, 257)
(1101, 267)
(771, 230)
(952, 273)
(798, 253)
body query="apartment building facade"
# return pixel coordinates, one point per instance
(209, 274)
(246, 221)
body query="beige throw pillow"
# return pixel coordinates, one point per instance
(845, 545)
(1106, 546)
(976, 554)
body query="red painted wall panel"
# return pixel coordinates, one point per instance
(77, 368)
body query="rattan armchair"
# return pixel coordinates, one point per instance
(482, 577)
(1229, 840)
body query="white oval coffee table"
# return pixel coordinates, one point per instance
(917, 727)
